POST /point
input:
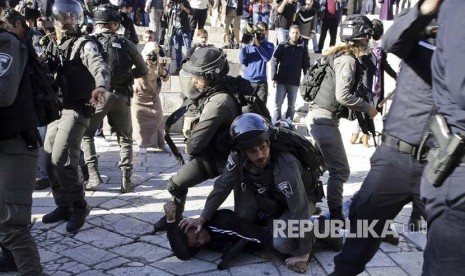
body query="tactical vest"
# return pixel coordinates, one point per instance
(72, 77)
(326, 96)
(20, 116)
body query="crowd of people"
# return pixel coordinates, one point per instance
(89, 52)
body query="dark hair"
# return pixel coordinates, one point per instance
(378, 29)
(11, 16)
(262, 24)
(149, 32)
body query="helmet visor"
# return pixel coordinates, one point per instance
(68, 14)
(187, 83)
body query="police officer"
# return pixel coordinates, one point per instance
(330, 105)
(117, 100)
(444, 204)
(202, 80)
(82, 77)
(394, 178)
(19, 144)
(266, 182)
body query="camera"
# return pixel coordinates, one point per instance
(249, 32)
(152, 57)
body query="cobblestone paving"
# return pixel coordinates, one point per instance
(117, 240)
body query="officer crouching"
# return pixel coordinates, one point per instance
(82, 77)
(268, 184)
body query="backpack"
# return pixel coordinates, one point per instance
(46, 102)
(243, 92)
(118, 59)
(311, 83)
(319, 86)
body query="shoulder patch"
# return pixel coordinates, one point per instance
(285, 188)
(230, 165)
(346, 75)
(5, 63)
(90, 48)
(116, 45)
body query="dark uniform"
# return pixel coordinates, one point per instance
(445, 206)
(19, 143)
(207, 144)
(394, 178)
(275, 192)
(117, 108)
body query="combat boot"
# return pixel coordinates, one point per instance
(85, 174)
(126, 183)
(78, 217)
(94, 179)
(7, 262)
(59, 214)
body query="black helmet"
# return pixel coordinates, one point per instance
(67, 15)
(249, 130)
(207, 62)
(107, 13)
(356, 27)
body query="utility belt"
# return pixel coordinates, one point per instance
(450, 153)
(85, 109)
(416, 152)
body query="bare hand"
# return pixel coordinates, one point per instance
(170, 210)
(147, 9)
(187, 223)
(98, 96)
(275, 84)
(373, 112)
(429, 7)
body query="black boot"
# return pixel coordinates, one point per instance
(7, 262)
(41, 184)
(126, 183)
(336, 214)
(78, 217)
(59, 214)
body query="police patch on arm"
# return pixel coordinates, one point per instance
(285, 188)
(5, 63)
(346, 75)
(90, 48)
(230, 165)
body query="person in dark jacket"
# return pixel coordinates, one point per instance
(289, 61)
(395, 175)
(331, 14)
(19, 145)
(285, 16)
(307, 18)
(202, 80)
(267, 184)
(445, 246)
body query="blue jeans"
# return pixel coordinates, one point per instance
(370, 7)
(265, 17)
(281, 91)
(179, 39)
(282, 35)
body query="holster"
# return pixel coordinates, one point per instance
(450, 153)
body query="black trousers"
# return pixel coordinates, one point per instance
(328, 24)
(393, 181)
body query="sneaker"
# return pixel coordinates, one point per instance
(77, 219)
(142, 151)
(161, 225)
(42, 184)
(7, 262)
(59, 214)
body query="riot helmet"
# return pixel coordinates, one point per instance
(106, 13)
(67, 15)
(209, 63)
(356, 27)
(249, 130)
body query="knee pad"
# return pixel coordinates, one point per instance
(175, 190)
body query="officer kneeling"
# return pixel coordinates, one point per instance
(270, 186)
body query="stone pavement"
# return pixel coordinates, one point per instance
(117, 240)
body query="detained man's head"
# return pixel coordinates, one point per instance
(197, 239)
